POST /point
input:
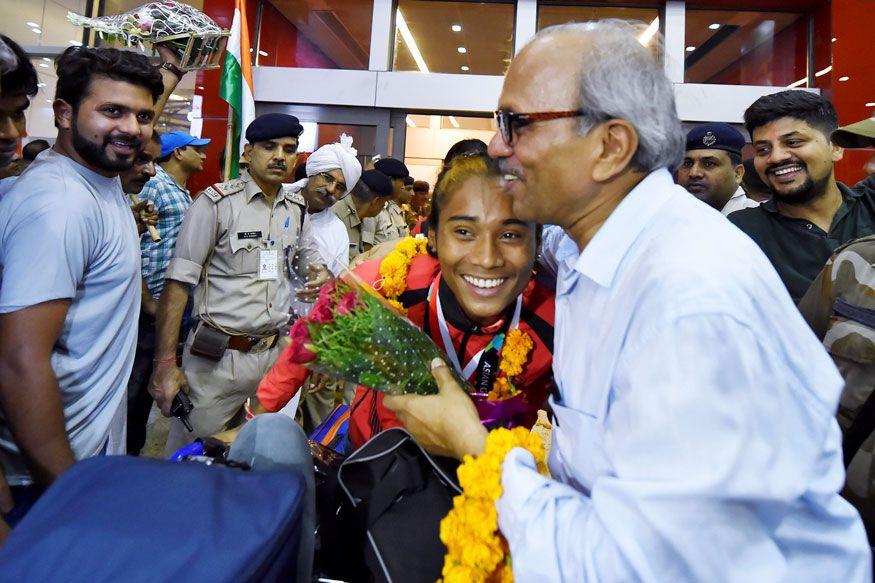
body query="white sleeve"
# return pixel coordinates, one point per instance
(710, 442)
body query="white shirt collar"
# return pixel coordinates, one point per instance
(601, 258)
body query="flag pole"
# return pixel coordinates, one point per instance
(229, 145)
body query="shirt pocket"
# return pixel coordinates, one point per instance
(579, 446)
(244, 255)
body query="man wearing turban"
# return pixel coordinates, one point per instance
(332, 171)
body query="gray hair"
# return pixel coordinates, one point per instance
(620, 79)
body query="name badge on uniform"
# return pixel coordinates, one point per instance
(268, 264)
(249, 234)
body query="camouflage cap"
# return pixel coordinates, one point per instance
(856, 135)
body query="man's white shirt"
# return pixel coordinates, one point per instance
(739, 201)
(694, 437)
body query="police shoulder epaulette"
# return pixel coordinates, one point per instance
(294, 195)
(217, 191)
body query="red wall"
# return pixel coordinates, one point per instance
(779, 62)
(285, 48)
(853, 56)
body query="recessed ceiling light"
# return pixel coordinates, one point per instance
(44, 65)
(201, 87)
(465, 68)
(40, 84)
(36, 31)
(870, 104)
(47, 60)
(262, 53)
(834, 39)
(75, 43)
(845, 78)
(32, 24)
(691, 49)
(48, 100)
(714, 26)
(456, 28)
(462, 50)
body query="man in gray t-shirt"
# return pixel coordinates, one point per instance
(79, 247)
(70, 287)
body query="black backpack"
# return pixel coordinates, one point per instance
(388, 499)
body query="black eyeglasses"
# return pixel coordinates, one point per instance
(508, 120)
(329, 179)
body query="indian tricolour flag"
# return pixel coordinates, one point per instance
(236, 89)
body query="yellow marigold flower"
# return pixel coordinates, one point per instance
(476, 551)
(458, 573)
(515, 352)
(396, 265)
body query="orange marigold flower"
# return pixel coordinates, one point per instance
(396, 265)
(476, 551)
(515, 352)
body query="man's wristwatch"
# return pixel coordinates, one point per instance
(173, 69)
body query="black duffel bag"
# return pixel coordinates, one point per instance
(391, 496)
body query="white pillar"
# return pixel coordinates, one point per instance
(382, 30)
(526, 23)
(674, 44)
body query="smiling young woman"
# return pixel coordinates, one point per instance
(472, 293)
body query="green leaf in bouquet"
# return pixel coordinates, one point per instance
(374, 346)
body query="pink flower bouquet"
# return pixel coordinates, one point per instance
(353, 334)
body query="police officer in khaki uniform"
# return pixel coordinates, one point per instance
(237, 247)
(389, 224)
(366, 200)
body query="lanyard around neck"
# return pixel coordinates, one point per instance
(450, 349)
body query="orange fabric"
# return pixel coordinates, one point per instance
(281, 383)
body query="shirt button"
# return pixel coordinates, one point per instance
(269, 305)
(249, 245)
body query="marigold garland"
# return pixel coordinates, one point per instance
(396, 265)
(514, 355)
(476, 550)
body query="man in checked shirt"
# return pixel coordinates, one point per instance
(182, 156)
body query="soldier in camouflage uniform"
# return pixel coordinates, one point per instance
(840, 308)
(235, 248)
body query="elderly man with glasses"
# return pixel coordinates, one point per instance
(332, 171)
(693, 434)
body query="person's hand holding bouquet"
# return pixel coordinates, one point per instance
(353, 334)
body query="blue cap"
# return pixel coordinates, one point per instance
(715, 136)
(172, 140)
